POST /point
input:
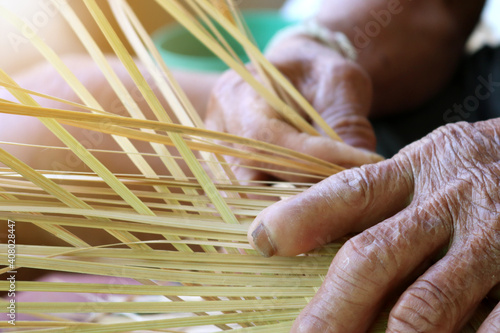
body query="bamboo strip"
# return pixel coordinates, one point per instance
(123, 289)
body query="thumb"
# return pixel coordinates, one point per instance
(347, 202)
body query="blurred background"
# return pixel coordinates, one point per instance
(17, 53)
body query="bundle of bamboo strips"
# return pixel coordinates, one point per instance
(179, 235)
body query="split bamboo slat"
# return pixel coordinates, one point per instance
(178, 255)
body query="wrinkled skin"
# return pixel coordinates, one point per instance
(339, 89)
(439, 192)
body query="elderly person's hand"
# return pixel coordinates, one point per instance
(338, 88)
(442, 191)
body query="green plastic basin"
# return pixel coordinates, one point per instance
(181, 50)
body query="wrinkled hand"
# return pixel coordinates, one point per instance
(338, 88)
(440, 191)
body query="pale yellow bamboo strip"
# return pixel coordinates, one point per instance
(15, 180)
(257, 205)
(261, 73)
(182, 109)
(123, 289)
(274, 87)
(232, 152)
(39, 324)
(28, 32)
(194, 119)
(192, 145)
(208, 267)
(127, 226)
(78, 149)
(275, 74)
(113, 79)
(127, 122)
(163, 210)
(249, 317)
(48, 97)
(155, 105)
(5, 101)
(216, 163)
(36, 178)
(224, 9)
(179, 209)
(133, 29)
(211, 27)
(178, 222)
(210, 278)
(187, 20)
(56, 230)
(164, 259)
(263, 189)
(51, 188)
(215, 148)
(87, 158)
(283, 327)
(255, 189)
(124, 96)
(186, 112)
(73, 82)
(157, 307)
(171, 128)
(239, 22)
(126, 99)
(108, 251)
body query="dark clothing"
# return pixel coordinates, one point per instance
(472, 95)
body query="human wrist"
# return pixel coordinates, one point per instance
(313, 31)
(304, 50)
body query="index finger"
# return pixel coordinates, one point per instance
(367, 268)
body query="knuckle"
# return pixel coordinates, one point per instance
(427, 290)
(424, 307)
(324, 316)
(475, 261)
(343, 70)
(452, 130)
(376, 257)
(463, 141)
(355, 188)
(359, 188)
(312, 322)
(356, 247)
(399, 322)
(485, 247)
(353, 128)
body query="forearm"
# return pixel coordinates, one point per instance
(409, 48)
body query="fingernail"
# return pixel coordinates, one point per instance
(263, 243)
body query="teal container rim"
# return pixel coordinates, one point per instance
(200, 62)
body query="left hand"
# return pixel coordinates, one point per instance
(338, 88)
(440, 191)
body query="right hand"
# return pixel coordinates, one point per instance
(437, 196)
(337, 88)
